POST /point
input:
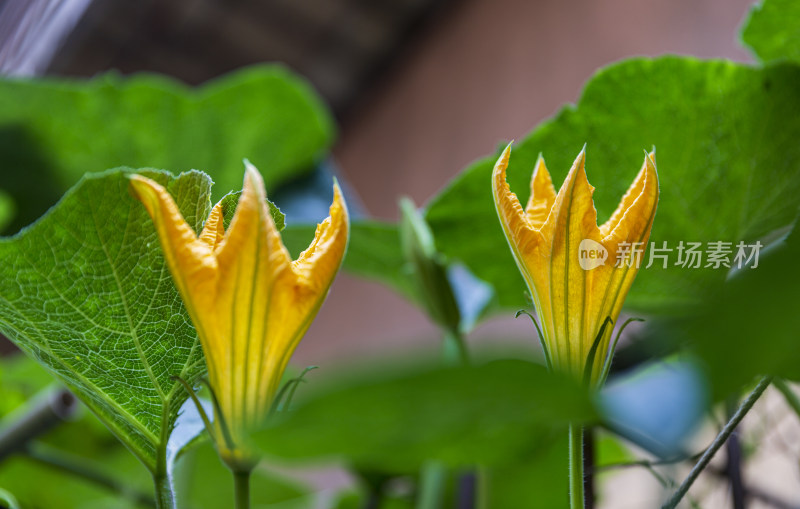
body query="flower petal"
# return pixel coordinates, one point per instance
(252, 263)
(521, 237)
(573, 219)
(543, 195)
(213, 230)
(189, 259)
(300, 298)
(627, 200)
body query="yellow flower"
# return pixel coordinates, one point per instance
(250, 303)
(560, 250)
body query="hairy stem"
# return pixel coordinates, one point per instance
(588, 467)
(163, 490)
(576, 493)
(718, 442)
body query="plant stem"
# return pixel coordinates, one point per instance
(242, 483)
(431, 489)
(165, 498)
(588, 467)
(576, 493)
(733, 468)
(454, 349)
(163, 489)
(718, 442)
(81, 468)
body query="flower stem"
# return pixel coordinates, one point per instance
(163, 490)
(576, 496)
(718, 442)
(242, 482)
(431, 489)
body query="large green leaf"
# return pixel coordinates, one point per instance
(491, 414)
(728, 162)
(85, 291)
(202, 481)
(53, 131)
(749, 326)
(772, 30)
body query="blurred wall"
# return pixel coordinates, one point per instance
(488, 71)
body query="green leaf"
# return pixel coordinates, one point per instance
(203, 482)
(491, 414)
(85, 291)
(229, 202)
(772, 31)
(52, 131)
(532, 482)
(84, 438)
(728, 162)
(749, 325)
(427, 268)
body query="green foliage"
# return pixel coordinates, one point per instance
(83, 437)
(491, 414)
(203, 482)
(53, 131)
(532, 482)
(427, 269)
(229, 202)
(85, 291)
(772, 31)
(748, 326)
(727, 162)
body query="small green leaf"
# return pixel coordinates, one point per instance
(229, 202)
(772, 31)
(427, 268)
(490, 414)
(85, 291)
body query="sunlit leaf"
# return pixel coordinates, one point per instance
(85, 291)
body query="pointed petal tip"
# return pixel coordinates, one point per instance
(339, 201)
(147, 191)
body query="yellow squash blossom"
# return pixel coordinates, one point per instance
(250, 303)
(578, 273)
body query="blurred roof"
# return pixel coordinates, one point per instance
(339, 45)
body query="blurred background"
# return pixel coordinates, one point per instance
(420, 88)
